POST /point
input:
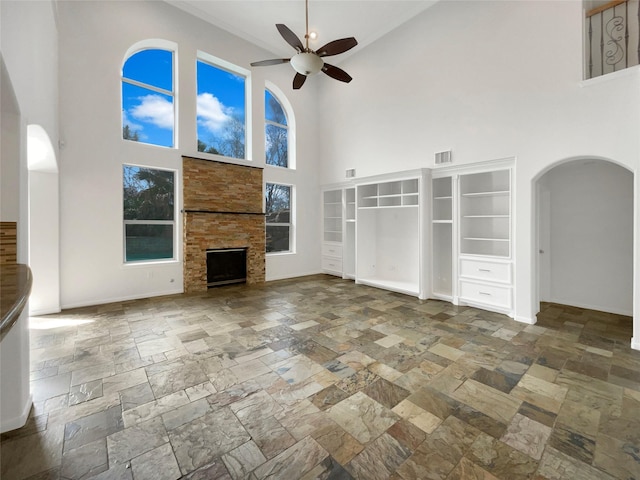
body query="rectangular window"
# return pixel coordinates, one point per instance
(149, 214)
(221, 111)
(278, 220)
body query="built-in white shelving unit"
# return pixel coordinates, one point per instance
(485, 213)
(349, 250)
(442, 208)
(444, 233)
(485, 229)
(390, 233)
(332, 208)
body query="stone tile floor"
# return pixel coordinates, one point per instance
(321, 378)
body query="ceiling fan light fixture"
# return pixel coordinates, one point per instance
(307, 63)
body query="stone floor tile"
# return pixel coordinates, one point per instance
(340, 444)
(85, 392)
(201, 441)
(487, 400)
(314, 365)
(294, 462)
(500, 459)
(157, 464)
(136, 440)
(243, 460)
(85, 461)
(49, 387)
(379, 459)
(27, 456)
(364, 418)
(425, 421)
(556, 465)
(93, 427)
(527, 436)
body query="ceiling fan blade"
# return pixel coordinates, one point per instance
(298, 81)
(337, 73)
(337, 46)
(290, 37)
(266, 63)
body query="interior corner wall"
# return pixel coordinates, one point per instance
(94, 38)
(486, 80)
(591, 235)
(29, 39)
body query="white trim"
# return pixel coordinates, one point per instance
(523, 319)
(107, 300)
(597, 308)
(8, 424)
(635, 343)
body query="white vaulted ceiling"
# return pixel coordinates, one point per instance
(254, 20)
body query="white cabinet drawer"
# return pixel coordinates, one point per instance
(487, 294)
(332, 264)
(483, 270)
(331, 250)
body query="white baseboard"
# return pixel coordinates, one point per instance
(597, 308)
(635, 343)
(104, 301)
(8, 424)
(523, 319)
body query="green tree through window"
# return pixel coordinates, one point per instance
(149, 212)
(278, 217)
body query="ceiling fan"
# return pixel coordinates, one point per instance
(307, 62)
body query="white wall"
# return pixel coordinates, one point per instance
(590, 218)
(30, 47)
(10, 138)
(479, 78)
(94, 37)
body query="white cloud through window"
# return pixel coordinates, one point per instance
(212, 114)
(154, 109)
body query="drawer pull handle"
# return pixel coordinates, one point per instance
(484, 293)
(484, 270)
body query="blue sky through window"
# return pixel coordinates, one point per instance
(220, 110)
(147, 111)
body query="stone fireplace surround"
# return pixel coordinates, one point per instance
(222, 209)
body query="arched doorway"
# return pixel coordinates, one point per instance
(44, 229)
(584, 231)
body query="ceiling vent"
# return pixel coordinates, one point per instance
(443, 157)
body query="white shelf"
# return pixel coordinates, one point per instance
(449, 222)
(485, 216)
(486, 194)
(490, 239)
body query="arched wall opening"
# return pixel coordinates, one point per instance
(584, 214)
(44, 224)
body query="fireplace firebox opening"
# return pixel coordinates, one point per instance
(226, 266)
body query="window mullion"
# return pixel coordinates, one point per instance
(148, 87)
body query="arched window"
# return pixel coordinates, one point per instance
(276, 132)
(148, 106)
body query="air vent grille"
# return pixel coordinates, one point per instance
(350, 173)
(443, 157)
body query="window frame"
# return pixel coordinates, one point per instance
(140, 47)
(291, 126)
(285, 127)
(174, 222)
(229, 67)
(290, 224)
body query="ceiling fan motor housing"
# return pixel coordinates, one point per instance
(307, 63)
